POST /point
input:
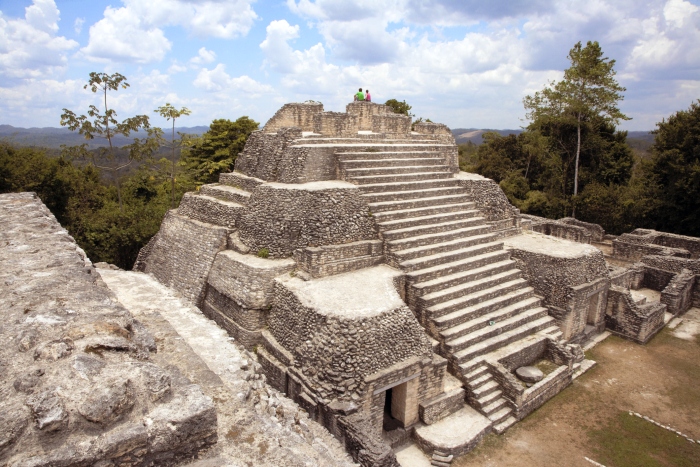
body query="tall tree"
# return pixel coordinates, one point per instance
(169, 112)
(104, 124)
(216, 150)
(588, 94)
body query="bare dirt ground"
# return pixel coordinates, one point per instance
(590, 418)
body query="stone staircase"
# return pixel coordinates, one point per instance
(463, 286)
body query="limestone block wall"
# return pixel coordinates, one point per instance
(364, 112)
(211, 210)
(597, 233)
(392, 125)
(182, 253)
(335, 259)
(282, 218)
(559, 229)
(675, 264)
(690, 244)
(636, 322)
(79, 373)
(337, 353)
(239, 180)
(337, 124)
(678, 294)
(303, 164)
(634, 247)
(300, 115)
(491, 202)
(264, 152)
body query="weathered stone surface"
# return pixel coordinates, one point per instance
(49, 410)
(108, 400)
(13, 421)
(529, 374)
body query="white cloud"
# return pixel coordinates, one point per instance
(29, 47)
(203, 56)
(677, 12)
(278, 53)
(176, 68)
(78, 25)
(217, 80)
(133, 33)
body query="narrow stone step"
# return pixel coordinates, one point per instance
(501, 327)
(463, 265)
(485, 389)
(502, 340)
(489, 398)
(500, 415)
(390, 187)
(402, 169)
(494, 406)
(429, 201)
(461, 277)
(432, 228)
(474, 298)
(387, 216)
(497, 315)
(479, 309)
(229, 193)
(480, 381)
(428, 239)
(365, 180)
(477, 372)
(396, 161)
(451, 245)
(501, 427)
(400, 151)
(425, 194)
(459, 290)
(426, 219)
(449, 256)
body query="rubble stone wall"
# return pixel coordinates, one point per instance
(78, 371)
(392, 125)
(264, 152)
(211, 210)
(488, 196)
(430, 128)
(282, 218)
(597, 233)
(678, 294)
(364, 112)
(336, 124)
(636, 322)
(300, 115)
(335, 259)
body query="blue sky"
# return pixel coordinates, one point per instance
(465, 63)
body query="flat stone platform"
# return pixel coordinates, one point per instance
(456, 435)
(358, 294)
(535, 242)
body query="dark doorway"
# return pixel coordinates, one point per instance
(390, 423)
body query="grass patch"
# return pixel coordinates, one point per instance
(546, 367)
(629, 441)
(263, 253)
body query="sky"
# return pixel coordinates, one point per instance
(464, 63)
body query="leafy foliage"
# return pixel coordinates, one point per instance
(216, 150)
(400, 107)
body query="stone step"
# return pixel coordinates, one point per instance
(395, 152)
(486, 332)
(476, 373)
(518, 345)
(393, 170)
(459, 290)
(451, 245)
(488, 398)
(386, 216)
(475, 298)
(419, 230)
(229, 193)
(209, 209)
(463, 265)
(485, 389)
(494, 406)
(461, 277)
(449, 256)
(366, 180)
(418, 185)
(428, 239)
(377, 197)
(240, 181)
(423, 220)
(429, 201)
(479, 309)
(497, 315)
(501, 427)
(395, 162)
(480, 381)
(502, 340)
(500, 415)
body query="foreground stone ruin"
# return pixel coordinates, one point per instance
(392, 297)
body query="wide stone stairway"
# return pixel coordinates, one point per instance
(463, 286)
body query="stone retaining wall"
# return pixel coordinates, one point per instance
(364, 112)
(300, 115)
(636, 322)
(336, 124)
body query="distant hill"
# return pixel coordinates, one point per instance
(475, 135)
(640, 140)
(49, 137)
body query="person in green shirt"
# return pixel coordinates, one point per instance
(359, 96)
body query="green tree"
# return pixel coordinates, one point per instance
(672, 177)
(169, 112)
(216, 150)
(400, 107)
(104, 124)
(587, 95)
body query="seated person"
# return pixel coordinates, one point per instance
(359, 96)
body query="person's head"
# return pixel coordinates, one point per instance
(366, 90)
(359, 90)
